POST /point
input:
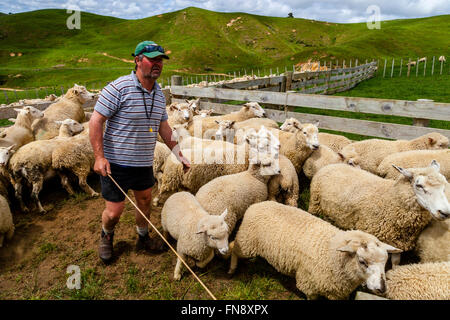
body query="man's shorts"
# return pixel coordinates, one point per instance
(134, 178)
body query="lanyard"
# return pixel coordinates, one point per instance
(151, 109)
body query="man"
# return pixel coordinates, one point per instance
(134, 109)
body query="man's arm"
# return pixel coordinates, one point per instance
(166, 134)
(96, 122)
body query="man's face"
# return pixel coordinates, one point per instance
(150, 67)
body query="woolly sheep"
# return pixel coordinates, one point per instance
(34, 162)
(284, 187)
(68, 107)
(372, 151)
(249, 110)
(442, 59)
(236, 192)
(433, 243)
(324, 260)
(334, 141)
(427, 281)
(414, 159)
(202, 114)
(395, 211)
(197, 233)
(180, 113)
(319, 159)
(235, 131)
(75, 155)
(6, 221)
(298, 146)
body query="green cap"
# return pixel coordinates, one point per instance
(152, 54)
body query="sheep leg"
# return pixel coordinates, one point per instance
(17, 183)
(2, 236)
(83, 185)
(37, 187)
(66, 184)
(10, 233)
(202, 264)
(179, 267)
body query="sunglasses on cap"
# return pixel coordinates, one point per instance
(150, 48)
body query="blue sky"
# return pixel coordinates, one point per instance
(343, 11)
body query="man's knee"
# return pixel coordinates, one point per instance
(114, 210)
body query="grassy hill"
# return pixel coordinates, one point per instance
(199, 41)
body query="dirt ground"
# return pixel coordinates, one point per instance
(33, 265)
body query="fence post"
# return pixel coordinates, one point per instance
(401, 65)
(356, 63)
(417, 67)
(239, 73)
(6, 97)
(277, 71)
(15, 93)
(409, 67)
(432, 67)
(384, 71)
(425, 68)
(288, 76)
(392, 70)
(176, 80)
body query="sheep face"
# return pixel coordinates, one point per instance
(370, 256)
(194, 105)
(268, 142)
(5, 154)
(224, 128)
(291, 125)
(205, 113)
(82, 93)
(215, 231)
(255, 109)
(179, 131)
(437, 141)
(182, 112)
(429, 187)
(351, 158)
(269, 165)
(35, 113)
(71, 125)
(310, 134)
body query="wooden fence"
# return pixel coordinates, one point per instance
(413, 67)
(420, 111)
(321, 82)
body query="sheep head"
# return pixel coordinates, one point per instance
(5, 154)
(309, 132)
(254, 109)
(215, 231)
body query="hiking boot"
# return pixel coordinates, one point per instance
(148, 244)
(105, 249)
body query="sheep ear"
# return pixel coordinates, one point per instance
(232, 123)
(297, 125)
(210, 111)
(316, 123)
(17, 110)
(246, 105)
(346, 248)
(432, 141)
(224, 214)
(11, 147)
(216, 121)
(172, 107)
(201, 228)
(391, 249)
(404, 172)
(341, 156)
(434, 164)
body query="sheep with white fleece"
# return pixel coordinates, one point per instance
(324, 260)
(197, 232)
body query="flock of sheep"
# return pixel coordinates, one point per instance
(369, 200)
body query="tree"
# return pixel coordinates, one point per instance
(290, 15)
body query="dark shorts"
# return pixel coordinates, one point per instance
(134, 178)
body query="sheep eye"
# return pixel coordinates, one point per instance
(364, 263)
(419, 186)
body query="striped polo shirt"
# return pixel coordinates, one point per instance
(127, 140)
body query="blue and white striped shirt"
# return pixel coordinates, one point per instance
(127, 140)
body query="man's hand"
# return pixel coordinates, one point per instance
(184, 161)
(102, 166)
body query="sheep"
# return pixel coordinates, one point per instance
(181, 134)
(76, 156)
(207, 163)
(6, 221)
(68, 107)
(197, 233)
(334, 141)
(202, 114)
(162, 152)
(298, 146)
(432, 244)
(180, 113)
(395, 211)
(414, 159)
(284, 187)
(324, 260)
(442, 59)
(235, 131)
(34, 162)
(236, 192)
(249, 110)
(372, 151)
(427, 281)
(319, 159)
(411, 63)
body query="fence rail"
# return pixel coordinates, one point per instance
(418, 110)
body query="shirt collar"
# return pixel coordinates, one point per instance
(139, 85)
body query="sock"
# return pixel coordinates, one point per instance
(107, 231)
(142, 231)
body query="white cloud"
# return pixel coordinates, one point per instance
(327, 10)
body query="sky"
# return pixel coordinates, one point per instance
(341, 11)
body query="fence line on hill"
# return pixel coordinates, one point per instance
(420, 111)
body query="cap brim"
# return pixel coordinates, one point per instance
(155, 54)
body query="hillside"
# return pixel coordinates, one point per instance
(199, 40)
